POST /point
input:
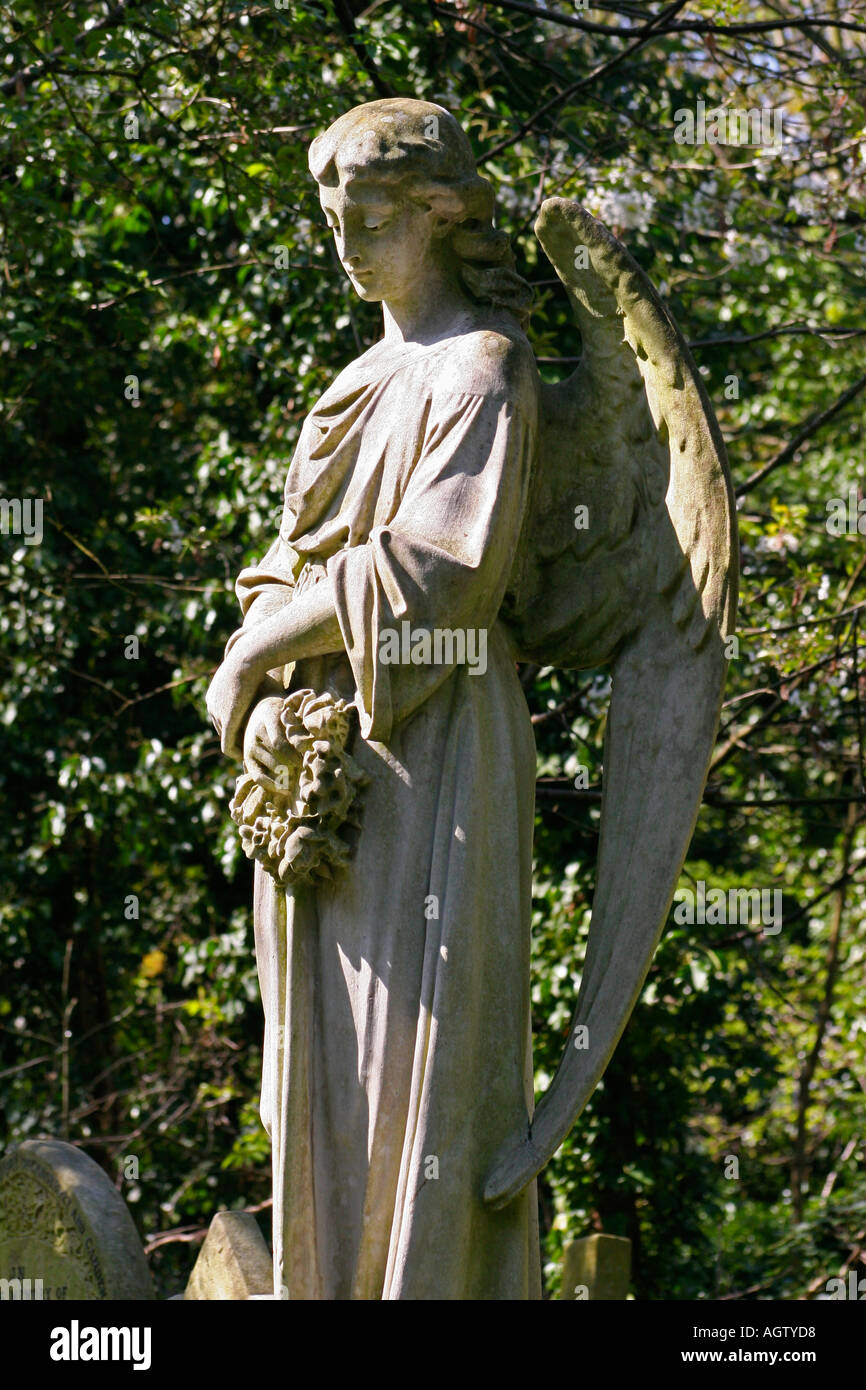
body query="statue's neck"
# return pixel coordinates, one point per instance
(439, 310)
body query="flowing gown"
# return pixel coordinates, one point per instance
(398, 1050)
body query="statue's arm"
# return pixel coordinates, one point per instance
(305, 627)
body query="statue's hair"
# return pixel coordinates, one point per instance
(421, 150)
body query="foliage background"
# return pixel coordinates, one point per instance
(152, 166)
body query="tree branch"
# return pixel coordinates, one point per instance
(684, 26)
(812, 426)
(16, 84)
(800, 1162)
(644, 36)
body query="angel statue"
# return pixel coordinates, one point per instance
(428, 544)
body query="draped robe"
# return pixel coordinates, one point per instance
(398, 1052)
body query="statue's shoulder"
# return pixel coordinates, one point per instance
(491, 360)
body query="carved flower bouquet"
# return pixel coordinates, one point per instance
(299, 787)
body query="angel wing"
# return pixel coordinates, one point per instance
(645, 581)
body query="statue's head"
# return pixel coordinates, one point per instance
(398, 184)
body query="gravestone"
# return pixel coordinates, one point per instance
(234, 1262)
(596, 1267)
(65, 1232)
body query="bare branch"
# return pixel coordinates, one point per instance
(811, 427)
(15, 84)
(644, 36)
(684, 26)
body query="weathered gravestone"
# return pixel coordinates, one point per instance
(65, 1232)
(234, 1262)
(597, 1267)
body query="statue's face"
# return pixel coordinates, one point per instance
(383, 242)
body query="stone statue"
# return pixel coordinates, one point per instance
(447, 515)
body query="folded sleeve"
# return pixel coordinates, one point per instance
(445, 559)
(263, 588)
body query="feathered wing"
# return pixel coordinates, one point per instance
(645, 580)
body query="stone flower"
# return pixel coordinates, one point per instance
(291, 824)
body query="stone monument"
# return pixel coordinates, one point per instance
(234, 1262)
(446, 515)
(596, 1267)
(65, 1232)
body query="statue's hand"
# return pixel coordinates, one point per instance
(229, 697)
(265, 743)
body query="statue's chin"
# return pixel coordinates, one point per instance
(367, 292)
